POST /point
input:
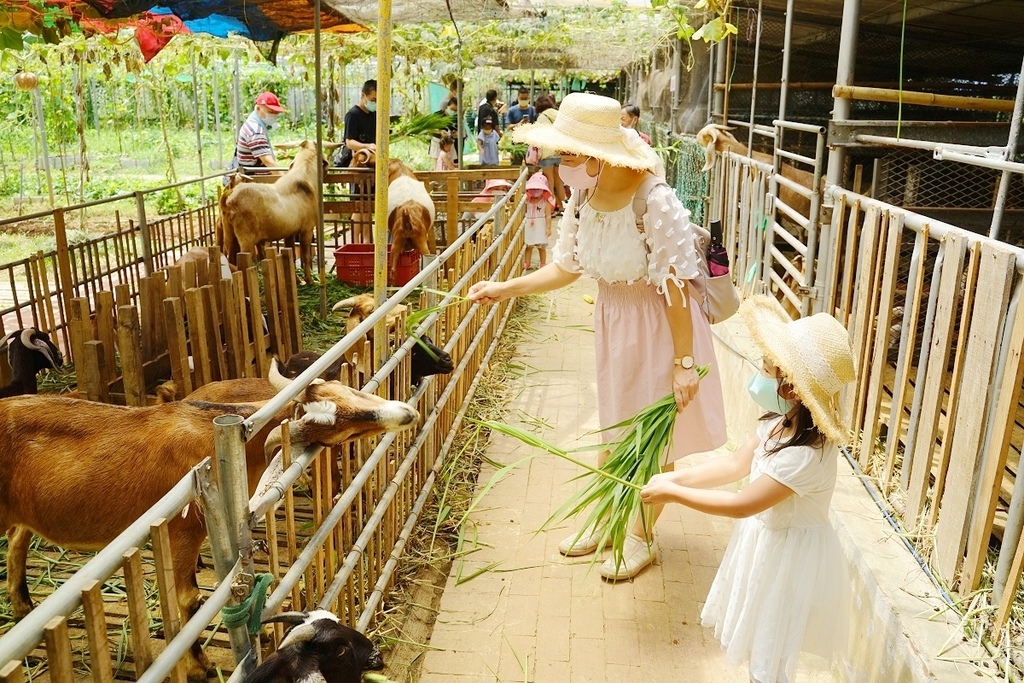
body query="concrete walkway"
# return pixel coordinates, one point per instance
(516, 610)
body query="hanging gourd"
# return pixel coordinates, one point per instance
(26, 80)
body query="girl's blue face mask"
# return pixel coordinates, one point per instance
(765, 393)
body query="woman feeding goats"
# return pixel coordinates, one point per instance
(651, 332)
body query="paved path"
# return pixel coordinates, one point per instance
(538, 617)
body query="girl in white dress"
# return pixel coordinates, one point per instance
(537, 231)
(782, 584)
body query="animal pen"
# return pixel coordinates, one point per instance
(334, 553)
(906, 224)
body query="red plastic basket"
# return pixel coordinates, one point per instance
(354, 265)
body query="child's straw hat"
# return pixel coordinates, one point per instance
(813, 354)
(589, 125)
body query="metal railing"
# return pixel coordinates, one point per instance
(347, 560)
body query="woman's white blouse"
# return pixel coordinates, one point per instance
(609, 247)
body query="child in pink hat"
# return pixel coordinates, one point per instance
(492, 189)
(539, 204)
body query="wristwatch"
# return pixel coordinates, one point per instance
(685, 362)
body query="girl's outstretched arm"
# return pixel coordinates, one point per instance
(764, 493)
(719, 471)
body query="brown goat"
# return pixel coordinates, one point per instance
(254, 213)
(78, 473)
(361, 306)
(716, 138)
(410, 212)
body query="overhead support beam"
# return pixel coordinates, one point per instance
(929, 9)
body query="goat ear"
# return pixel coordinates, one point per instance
(288, 145)
(709, 158)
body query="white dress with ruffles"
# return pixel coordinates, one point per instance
(633, 339)
(782, 585)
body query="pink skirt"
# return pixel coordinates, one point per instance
(634, 366)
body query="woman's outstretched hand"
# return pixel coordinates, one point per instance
(685, 383)
(488, 292)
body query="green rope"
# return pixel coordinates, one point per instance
(249, 610)
(903, 42)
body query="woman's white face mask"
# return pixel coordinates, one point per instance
(577, 176)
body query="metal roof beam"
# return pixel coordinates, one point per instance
(928, 9)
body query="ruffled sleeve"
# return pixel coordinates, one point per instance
(673, 244)
(799, 468)
(565, 252)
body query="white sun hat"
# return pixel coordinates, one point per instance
(813, 354)
(589, 125)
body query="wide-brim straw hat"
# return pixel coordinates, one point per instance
(588, 125)
(813, 354)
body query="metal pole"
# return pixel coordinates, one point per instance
(753, 81)
(844, 76)
(236, 114)
(784, 89)
(230, 515)
(147, 244)
(199, 134)
(216, 117)
(380, 226)
(321, 251)
(37, 100)
(720, 74)
(1011, 150)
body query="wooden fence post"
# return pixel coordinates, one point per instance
(177, 345)
(129, 337)
(80, 327)
(147, 244)
(92, 370)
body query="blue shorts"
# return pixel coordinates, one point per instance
(550, 161)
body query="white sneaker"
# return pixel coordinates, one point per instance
(581, 542)
(636, 554)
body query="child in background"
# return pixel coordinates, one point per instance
(492, 189)
(539, 205)
(782, 584)
(487, 140)
(444, 156)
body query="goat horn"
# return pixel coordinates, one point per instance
(44, 348)
(287, 618)
(276, 379)
(344, 303)
(26, 337)
(7, 338)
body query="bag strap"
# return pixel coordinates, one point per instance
(643, 191)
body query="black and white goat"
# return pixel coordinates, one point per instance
(427, 358)
(28, 352)
(319, 649)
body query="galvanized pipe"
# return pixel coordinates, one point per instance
(753, 81)
(348, 566)
(1011, 150)
(392, 564)
(786, 42)
(926, 145)
(274, 405)
(233, 491)
(944, 154)
(26, 634)
(848, 36)
(190, 631)
(37, 102)
(818, 233)
(198, 126)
